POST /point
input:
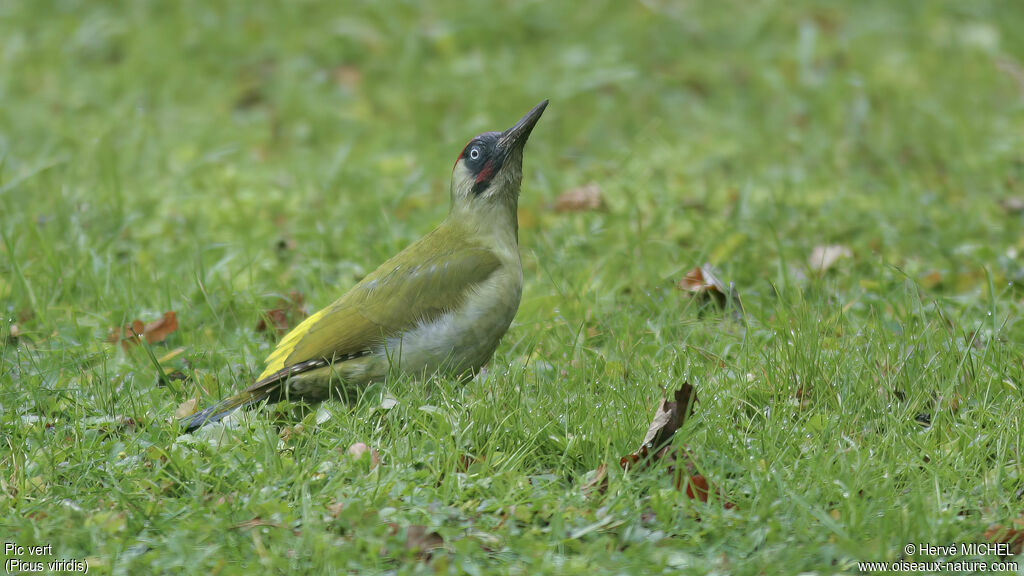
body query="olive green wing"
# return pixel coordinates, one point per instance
(424, 281)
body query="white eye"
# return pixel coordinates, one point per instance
(474, 153)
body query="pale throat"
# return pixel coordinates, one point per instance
(493, 215)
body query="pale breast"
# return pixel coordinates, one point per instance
(462, 340)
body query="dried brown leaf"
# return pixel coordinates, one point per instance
(702, 279)
(154, 332)
(290, 311)
(1013, 536)
(698, 488)
(703, 284)
(656, 447)
(824, 257)
(670, 416)
(159, 330)
(582, 199)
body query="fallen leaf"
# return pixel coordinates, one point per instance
(656, 447)
(580, 199)
(421, 540)
(670, 416)
(697, 488)
(186, 408)
(159, 330)
(599, 483)
(154, 332)
(702, 283)
(1013, 536)
(824, 257)
(289, 312)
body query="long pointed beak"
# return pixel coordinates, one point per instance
(516, 136)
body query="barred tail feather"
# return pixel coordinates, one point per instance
(267, 388)
(220, 410)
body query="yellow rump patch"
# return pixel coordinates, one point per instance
(277, 358)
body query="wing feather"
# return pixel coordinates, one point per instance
(392, 299)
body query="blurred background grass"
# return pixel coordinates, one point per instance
(196, 155)
(801, 123)
(207, 157)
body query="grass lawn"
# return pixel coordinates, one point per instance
(217, 159)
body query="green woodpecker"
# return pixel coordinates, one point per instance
(438, 307)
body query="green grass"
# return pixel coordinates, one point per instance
(209, 157)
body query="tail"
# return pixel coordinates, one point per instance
(268, 388)
(221, 409)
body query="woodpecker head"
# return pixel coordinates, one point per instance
(490, 168)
